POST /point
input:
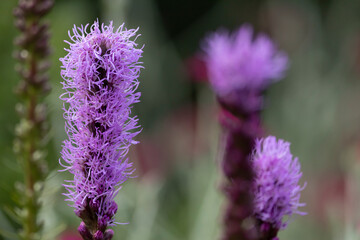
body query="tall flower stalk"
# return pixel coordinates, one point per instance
(276, 186)
(100, 75)
(33, 51)
(240, 69)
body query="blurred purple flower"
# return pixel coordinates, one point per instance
(240, 67)
(100, 75)
(236, 62)
(276, 184)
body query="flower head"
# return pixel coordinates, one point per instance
(276, 184)
(237, 63)
(100, 75)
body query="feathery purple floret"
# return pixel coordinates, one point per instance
(100, 75)
(276, 185)
(237, 63)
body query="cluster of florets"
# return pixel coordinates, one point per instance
(100, 75)
(276, 184)
(240, 67)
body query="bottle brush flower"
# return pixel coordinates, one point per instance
(100, 75)
(276, 185)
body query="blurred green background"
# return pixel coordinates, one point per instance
(176, 195)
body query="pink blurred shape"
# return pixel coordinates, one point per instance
(70, 235)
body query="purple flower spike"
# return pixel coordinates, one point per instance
(276, 184)
(237, 62)
(100, 75)
(241, 68)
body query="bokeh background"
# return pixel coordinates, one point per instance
(176, 195)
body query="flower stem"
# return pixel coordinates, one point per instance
(31, 131)
(241, 130)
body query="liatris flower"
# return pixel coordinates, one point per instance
(100, 75)
(31, 132)
(276, 185)
(240, 69)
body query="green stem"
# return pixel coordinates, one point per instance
(31, 207)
